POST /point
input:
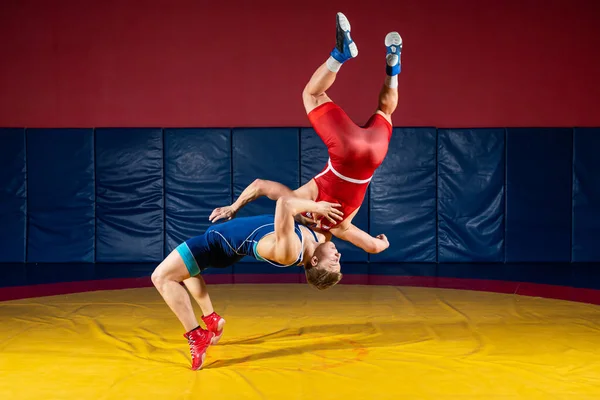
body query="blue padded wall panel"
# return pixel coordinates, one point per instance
(129, 195)
(197, 180)
(538, 194)
(60, 169)
(313, 155)
(313, 159)
(403, 197)
(13, 195)
(471, 195)
(264, 153)
(586, 195)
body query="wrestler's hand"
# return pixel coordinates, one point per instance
(382, 242)
(329, 211)
(226, 213)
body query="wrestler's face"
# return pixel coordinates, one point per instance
(328, 256)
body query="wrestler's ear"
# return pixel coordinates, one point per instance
(314, 261)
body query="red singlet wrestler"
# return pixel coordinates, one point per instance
(354, 152)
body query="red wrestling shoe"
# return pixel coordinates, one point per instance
(214, 323)
(199, 340)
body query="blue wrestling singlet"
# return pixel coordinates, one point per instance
(225, 244)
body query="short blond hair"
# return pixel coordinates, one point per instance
(321, 278)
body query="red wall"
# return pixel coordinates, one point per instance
(203, 63)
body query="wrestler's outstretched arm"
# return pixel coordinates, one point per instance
(351, 233)
(260, 187)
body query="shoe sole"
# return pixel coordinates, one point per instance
(393, 39)
(345, 25)
(201, 363)
(220, 326)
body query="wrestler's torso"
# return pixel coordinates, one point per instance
(242, 236)
(354, 152)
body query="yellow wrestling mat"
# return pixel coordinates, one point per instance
(293, 342)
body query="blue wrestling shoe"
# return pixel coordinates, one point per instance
(345, 48)
(393, 42)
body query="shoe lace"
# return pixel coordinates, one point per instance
(192, 344)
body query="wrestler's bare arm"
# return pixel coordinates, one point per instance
(287, 245)
(259, 188)
(351, 233)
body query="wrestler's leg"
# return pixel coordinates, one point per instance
(197, 288)
(167, 278)
(388, 97)
(214, 322)
(314, 93)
